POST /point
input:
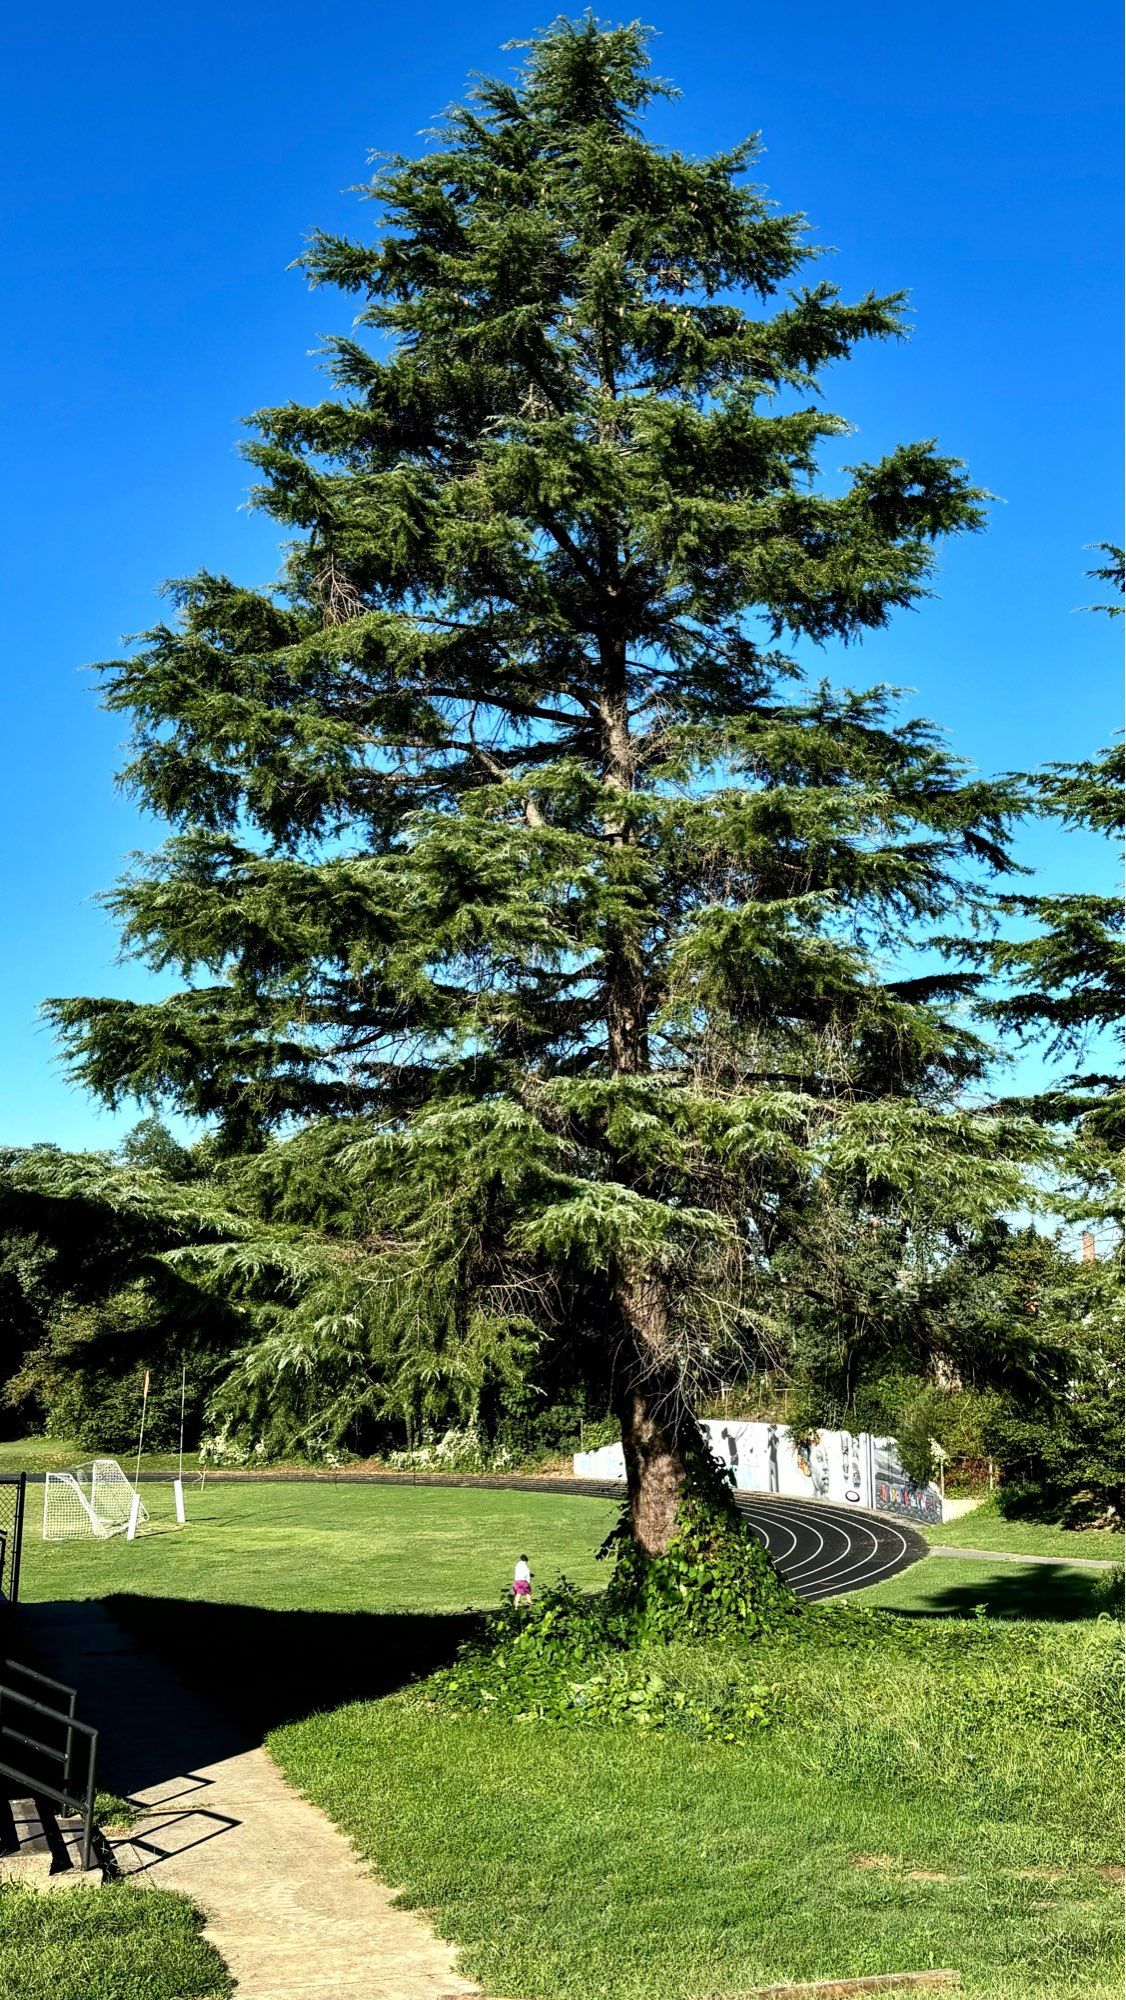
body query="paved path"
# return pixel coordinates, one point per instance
(288, 1904)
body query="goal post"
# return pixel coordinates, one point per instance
(89, 1501)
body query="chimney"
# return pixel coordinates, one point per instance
(1087, 1247)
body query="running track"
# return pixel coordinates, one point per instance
(823, 1550)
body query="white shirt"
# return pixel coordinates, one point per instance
(522, 1573)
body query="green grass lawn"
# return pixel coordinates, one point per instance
(330, 1547)
(938, 1803)
(902, 1816)
(393, 1556)
(944, 1587)
(115, 1943)
(40, 1454)
(434, 1549)
(987, 1528)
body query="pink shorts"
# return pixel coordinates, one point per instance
(521, 1589)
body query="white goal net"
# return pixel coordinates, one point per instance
(89, 1500)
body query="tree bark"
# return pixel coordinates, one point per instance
(647, 1391)
(656, 1426)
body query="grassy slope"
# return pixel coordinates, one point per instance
(874, 1831)
(987, 1528)
(589, 1863)
(116, 1943)
(40, 1454)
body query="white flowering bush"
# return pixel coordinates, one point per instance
(221, 1449)
(455, 1451)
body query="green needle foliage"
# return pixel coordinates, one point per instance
(92, 1297)
(1060, 984)
(515, 869)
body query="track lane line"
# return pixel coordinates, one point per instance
(836, 1551)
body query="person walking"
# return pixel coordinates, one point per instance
(522, 1584)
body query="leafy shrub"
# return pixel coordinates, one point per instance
(579, 1660)
(715, 1580)
(222, 1448)
(1108, 1589)
(879, 1699)
(766, 1399)
(624, 1692)
(1058, 1439)
(100, 1408)
(86, 1375)
(530, 1429)
(229, 1447)
(523, 1439)
(1062, 1460)
(918, 1412)
(593, 1659)
(602, 1431)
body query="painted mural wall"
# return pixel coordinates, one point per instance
(849, 1467)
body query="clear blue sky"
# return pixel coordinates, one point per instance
(164, 166)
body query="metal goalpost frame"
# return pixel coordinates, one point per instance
(95, 1500)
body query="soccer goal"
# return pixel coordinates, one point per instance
(89, 1500)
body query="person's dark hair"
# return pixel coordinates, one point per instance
(523, 1559)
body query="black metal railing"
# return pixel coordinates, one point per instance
(13, 1493)
(71, 1797)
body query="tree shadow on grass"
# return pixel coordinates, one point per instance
(253, 1668)
(1021, 1591)
(269, 1667)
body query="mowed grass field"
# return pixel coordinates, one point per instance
(330, 1547)
(116, 1943)
(336, 1546)
(985, 1528)
(845, 1843)
(903, 1812)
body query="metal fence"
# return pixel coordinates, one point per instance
(13, 1491)
(72, 1759)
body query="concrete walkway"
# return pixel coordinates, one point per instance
(288, 1904)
